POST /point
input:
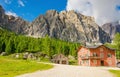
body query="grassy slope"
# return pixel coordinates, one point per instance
(11, 68)
(116, 72)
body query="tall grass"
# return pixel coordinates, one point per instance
(115, 72)
(11, 67)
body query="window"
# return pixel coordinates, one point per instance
(109, 55)
(83, 62)
(82, 56)
(94, 54)
(95, 61)
(87, 62)
(102, 55)
(86, 55)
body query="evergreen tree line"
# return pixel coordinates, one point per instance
(115, 45)
(13, 43)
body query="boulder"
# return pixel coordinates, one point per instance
(25, 55)
(3, 54)
(17, 55)
(30, 56)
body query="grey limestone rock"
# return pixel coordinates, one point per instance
(65, 25)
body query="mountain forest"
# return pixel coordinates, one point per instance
(13, 43)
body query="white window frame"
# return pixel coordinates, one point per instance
(101, 55)
(95, 61)
(109, 55)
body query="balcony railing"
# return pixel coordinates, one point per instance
(90, 57)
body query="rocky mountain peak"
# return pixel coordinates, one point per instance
(112, 28)
(51, 13)
(2, 15)
(66, 25)
(119, 22)
(12, 23)
(1, 10)
(69, 26)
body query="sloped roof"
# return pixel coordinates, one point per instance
(59, 56)
(94, 47)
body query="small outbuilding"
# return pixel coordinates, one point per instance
(60, 59)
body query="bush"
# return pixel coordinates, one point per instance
(73, 62)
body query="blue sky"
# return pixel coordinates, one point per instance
(104, 11)
(30, 9)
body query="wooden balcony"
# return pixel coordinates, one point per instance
(90, 57)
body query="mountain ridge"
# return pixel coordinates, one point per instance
(65, 25)
(112, 28)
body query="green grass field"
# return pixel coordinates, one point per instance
(116, 72)
(11, 67)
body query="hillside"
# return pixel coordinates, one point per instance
(13, 43)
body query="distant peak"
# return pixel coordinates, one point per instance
(52, 11)
(0, 6)
(70, 11)
(119, 22)
(1, 9)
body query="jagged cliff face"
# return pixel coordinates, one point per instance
(2, 15)
(68, 26)
(112, 28)
(12, 23)
(17, 25)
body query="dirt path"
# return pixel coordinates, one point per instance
(71, 71)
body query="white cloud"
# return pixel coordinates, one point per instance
(11, 13)
(20, 2)
(102, 10)
(7, 1)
